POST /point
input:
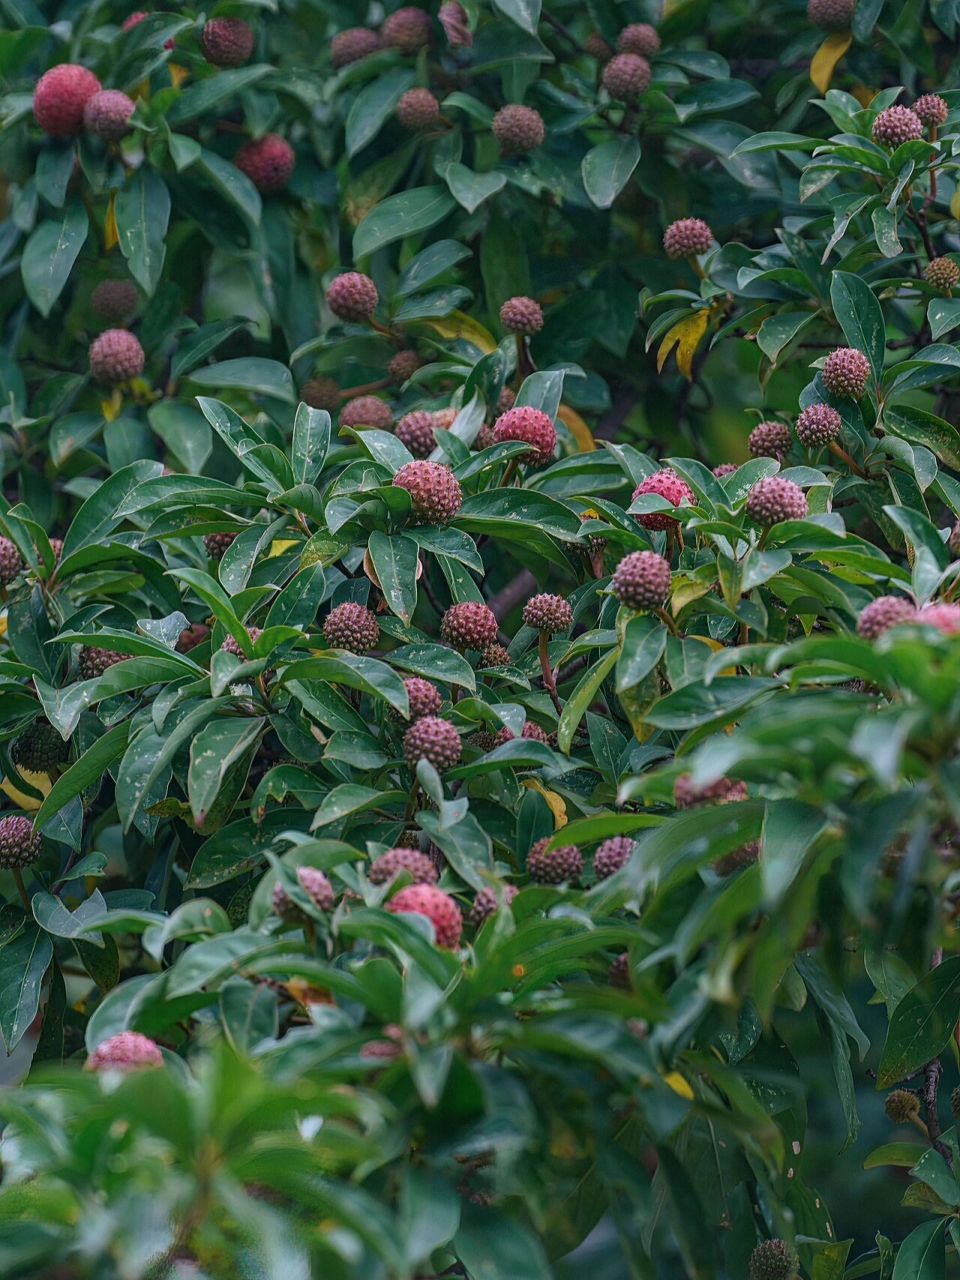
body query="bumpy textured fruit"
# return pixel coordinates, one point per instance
(444, 418)
(640, 38)
(424, 697)
(547, 613)
(531, 731)
(39, 748)
(745, 856)
(817, 425)
(521, 315)
(642, 580)
(59, 99)
(506, 399)
(268, 162)
(597, 47)
(11, 562)
(723, 791)
(432, 739)
(724, 469)
(417, 110)
(495, 655)
(115, 356)
(107, 114)
(227, 42)
(618, 975)
(687, 238)
(230, 644)
(943, 617)
(488, 900)
(20, 845)
(611, 856)
(882, 614)
(408, 30)
(321, 393)
(532, 427)
(217, 544)
(942, 273)
(352, 296)
(352, 45)
(773, 1260)
(931, 110)
(403, 366)
(415, 431)
(434, 490)
(901, 1106)
(896, 125)
(439, 908)
(390, 864)
(518, 129)
(317, 888)
(456, 25)
(114, 299)
(366, 411)
(555, 866)
(845, 373)
(769, 440)
(831, 15)
(351, 626)
(626, 76)
(469, 626)
(94, 662)
(664, 484)
(773, 499)
(126, 1051)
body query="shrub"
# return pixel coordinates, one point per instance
(478, 555)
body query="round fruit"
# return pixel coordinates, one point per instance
(39, 748)
(216, 545)
(687, 238)
(531, 426)
(896, 125)
(489, 900)
(531, 731)
(366, 411)
(352, 296)
(831, 15)
(773, 499)
(268, 162)
(20, 845)
(547, 613)
(556, 866)
(352, 45)
(931, 110)
(434, 740)
(773, 1260)
(642, 580)
(351, 626)
(114, 299)
(116, 356)
(469, 626)
(438, 907)
(495, 655)
(11, 562)
(59, 99)
(424, 697)
(317, 888)
(769, 440)
(226, 42)
(321, 393)
(418, 110)
(942, 274)
(126, 1051)
(723, 791)
(433, 489)
(663, 484)
(403, 366)
(230, 644)
(901, 1106)
(518, 129)
(882, 614)
(94, 662)
(107, 114)
(818, 425)
(611, 856)
(395, 861)
(409, 30)
(943, 617)
(415, 431)
(845, 373)
(639, 38)
(626, 76)
(521, 315)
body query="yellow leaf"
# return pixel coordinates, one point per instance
(685, 336)
(177, 74)
(556, 805)
(863, 95)
(577, 428)
(824, 61)
(458, 325)
(279, 545)
(955, 204)
(3, 626)
(111, 408)
(677, 1083)
(110, 237)
(39, 781)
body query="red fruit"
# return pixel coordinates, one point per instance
(547, 613)
(116, 356)
(556, 866)
(769, 440)
(390, 864)
(724, 469)
(268, 162)
(488, 900)
(415, 431)
(20, 845)
(409, 30)
(317, 888)
(424, 697)
(931, 110)
(352, 296)
(845, 373)
(107, 114)
(495, 655)
(883, 613)
(135, 19)
(456, 25)
(60, 97)
(352, 45)
(896, 125)
(531, 731)
(611, 856)
(230, 645)
(227, 42)
(664, 484)
(626, 76)
(943, 617)
(403, 366)
(366, 411)
(521, 315)
(518, 129)
(469, 626)
(438, 907)
(434, 491)
(532, 427)
(773, 499)
(687, 238)
(817, 425)
(351, 626)
(11, 562)
(432, 739)
(126, 1051)
(642, 580)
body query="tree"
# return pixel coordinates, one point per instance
(479, 725)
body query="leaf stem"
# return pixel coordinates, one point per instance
(549, 681)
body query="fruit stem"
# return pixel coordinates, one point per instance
(549, 681)
(22, 890)
(842, 454)
(509, 473)
(667, 621)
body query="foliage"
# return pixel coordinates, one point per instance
(703, 839)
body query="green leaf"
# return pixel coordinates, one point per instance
(581, 698)
(943, 314)
(49, 255)
(429, 264)
(92, 765)
(196, 346)
(143, 212)
(644, 641)
(373, 106)
(789, 831)
(200, 98)
(394, 560)
(922, 1255)
(25, 961)
(235, 186)
(860, 317)
(401, 215)
(778, 331)
(921, 1024)
(254, 374)
(607, 167)
(471, 189)
(311, 440)
(492, 1246)
(218, 746)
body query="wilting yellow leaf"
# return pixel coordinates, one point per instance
(685, 336)
(111, 408)
(3, 626)
(39, 781)
(110, 237)
(458, 325)
(863, 95)
(577, 428)
(279, 545)
(177, 74)
(556, 805)
(955, 204)
(824, 61)
(677, 1083)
